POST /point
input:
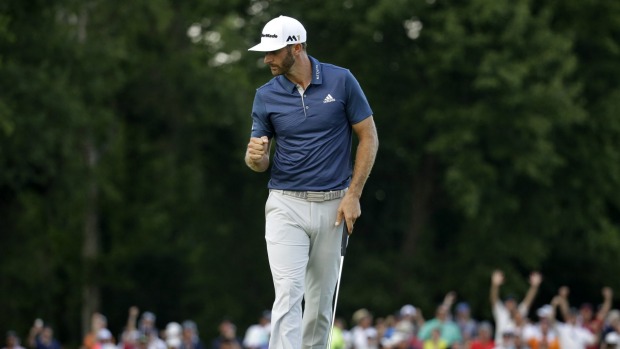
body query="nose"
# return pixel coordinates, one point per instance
(268, 58)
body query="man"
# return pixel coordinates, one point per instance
(105, 340)
(12, 341)
(172, 335)
(509, 314)
(592, 321)
(42, 337)
(542, 335)
(228, 336)
(611, 340)
(363, 334)
(465, 322)
(311, 109)
(483, 338)
(257, 335)
(449, 331)
(190, 338)
(98, 321)
(570, 334)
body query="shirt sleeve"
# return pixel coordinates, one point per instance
(358, 107)
(261, 126)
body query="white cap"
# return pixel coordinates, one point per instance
(279, 32)
(612, 338)
(104, 334)
(408, 310)
(544, 311)
(173, 329)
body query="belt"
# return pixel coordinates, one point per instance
(314, 196)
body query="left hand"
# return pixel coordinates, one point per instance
(535, 279)
(349, 210)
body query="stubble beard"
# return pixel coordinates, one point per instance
(286, 65)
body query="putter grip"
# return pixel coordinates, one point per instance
(345, 240)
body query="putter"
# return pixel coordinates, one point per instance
(343, 250)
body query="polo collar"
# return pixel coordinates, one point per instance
(317, 71)
(317, 76)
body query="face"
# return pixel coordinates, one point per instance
(484, 333)
(441, 313)
(188, 334)
(586, 313)
(280, 61)
(508, 340)
(98, 321)
(518, 318)
(147, 323)
(47, 334)
(510, 304)
(11, 341)
(366, 322)
(544, 325)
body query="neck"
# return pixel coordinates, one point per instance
(301, 72)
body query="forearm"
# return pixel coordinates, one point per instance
(564, 309)
(32, 339)
(529, 296)
(605, 308)
(131, 323)
(494, 294)
(364, 161)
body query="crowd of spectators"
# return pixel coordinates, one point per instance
(555, 325)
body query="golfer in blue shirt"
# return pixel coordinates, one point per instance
(310, 110)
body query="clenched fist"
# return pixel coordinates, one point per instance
(257, 155)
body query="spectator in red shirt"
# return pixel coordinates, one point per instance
(484, 338)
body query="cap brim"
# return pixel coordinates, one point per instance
(266, 47)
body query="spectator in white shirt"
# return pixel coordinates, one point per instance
(570, 333)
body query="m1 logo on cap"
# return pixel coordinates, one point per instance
(293, 38)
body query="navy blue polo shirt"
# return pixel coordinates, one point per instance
(312, 132)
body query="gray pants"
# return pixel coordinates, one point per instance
(303, 247)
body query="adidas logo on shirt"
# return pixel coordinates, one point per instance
(329, 99)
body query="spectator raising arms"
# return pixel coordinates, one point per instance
(42, 337)
(448, 329)
(505, 313)
(570, 334)
(594, 322)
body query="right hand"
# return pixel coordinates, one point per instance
(497, 278)
(258, 148)
(450, 297)
(535, 279)
(134, 311)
